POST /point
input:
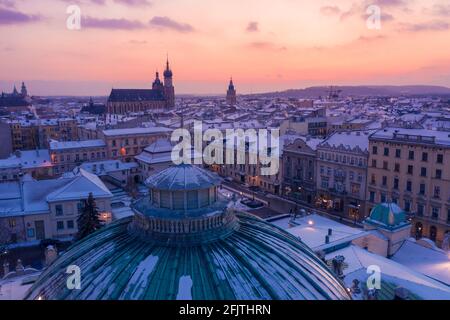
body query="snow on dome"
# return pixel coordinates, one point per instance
(190, 245)
(257, 261)
(183, 177)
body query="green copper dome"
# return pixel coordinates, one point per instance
(195, 252)
(388, 215)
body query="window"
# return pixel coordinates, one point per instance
(385, 165)
(386, 151)
(383, 198)
(437, 192)
(114, 143)
(448, 215)
(440, 158)
(423, 172)
(372, 179)
(438, 174)
(60, 225)
(374, 150)
(420, 210)
(407, 206)
(411, 155)
(397, 167)
(396, 183)
(374, 163)
(408, 186)
(424, 156)
(30, 232)
(324, 183)
(70, 224)
(434, 213)
(59, 210)
(384, 181)
(398, 153)
(80, 207)
(422, 189)
(410, 169)
(12, 223)
(372, 196)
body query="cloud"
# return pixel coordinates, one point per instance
(387, 3)
(170, 24)
(115, 24)
(10, 16)
(435, 25)
(265, 45)
(7, 3)
(439, 10)
(252, 26)
(330, 10)
(104, 2)
(134, 2)
(138, 42)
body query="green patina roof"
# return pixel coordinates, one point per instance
(257, 261)
(388, 215)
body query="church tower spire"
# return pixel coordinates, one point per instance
(169, 90)
(231, 93)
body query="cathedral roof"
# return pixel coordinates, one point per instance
(135, 95)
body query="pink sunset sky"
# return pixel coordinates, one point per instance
(265, 45)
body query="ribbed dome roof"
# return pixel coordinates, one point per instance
(183, 177)
(257, 261)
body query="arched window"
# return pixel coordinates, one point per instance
(419, 230)
(433, 233)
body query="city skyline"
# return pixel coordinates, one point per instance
(292, 45)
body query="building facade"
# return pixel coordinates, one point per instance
(299, 175)
(341, 173)
(33, 134)
(125, 144)
(36, 210)
(410, 167)
(67, 155)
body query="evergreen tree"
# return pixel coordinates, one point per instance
(88, 221)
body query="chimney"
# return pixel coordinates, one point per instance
(19, 267)
(338, 263)
(51, 254)
(327, 239)
(5, 268)
(401, 293)
(330, 231)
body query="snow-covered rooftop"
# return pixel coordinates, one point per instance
(434, 263)
(414, 135)
(27, 159)
(135, 131)
(349, 139)
(63, 145)
(312, 229)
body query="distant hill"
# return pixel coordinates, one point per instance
(363, 91)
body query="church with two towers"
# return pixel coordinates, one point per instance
(159, 98)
